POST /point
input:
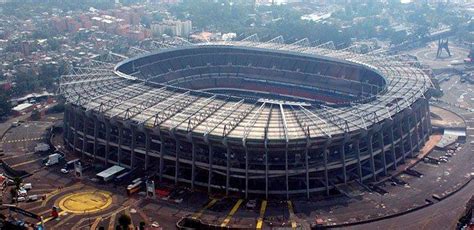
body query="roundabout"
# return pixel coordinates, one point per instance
(85, 202)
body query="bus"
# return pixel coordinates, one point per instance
(124, 177)
(110, 173)
(134, 188)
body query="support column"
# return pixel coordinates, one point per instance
(227, 172)
(402, 144)
(84, 135)
(66, 123)
(286, 172)
(392, 147)
(359, 163)
(193, 166)
(417, 133)
(70, 135)
(410, 137)
(427, 117)
(176, 166)
(266, 170)
(427, 123)
(343, 160)
(147, 147)
(76, 125)
(162, 155)
(107, 142)
(422, 125)
(246, 170)
(326, 176)
(96, 136)
(384, 160)
(133, 146)
(120, 137)
(209, 178)
(371, 153)
(306, 153)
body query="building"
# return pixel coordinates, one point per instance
(172, 28)
(251, 118)
(22, 108)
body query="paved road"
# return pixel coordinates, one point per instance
(442, 215)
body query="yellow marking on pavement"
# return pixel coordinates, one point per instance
(112, 221)
(21, 140)
(96, 222)
(86, 202)
(51, 218)
(25, 163)
(263, 207)
(231, 213)
(292, 214)
(198, 214)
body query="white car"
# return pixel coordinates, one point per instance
(27, 186)
(22, 192)
(33, 198)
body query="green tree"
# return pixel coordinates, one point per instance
(13, 194)
(17, 181)
(5, 105)
(35, 115)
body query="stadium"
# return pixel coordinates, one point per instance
(251, 118)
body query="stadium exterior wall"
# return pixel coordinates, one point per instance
(295, 168)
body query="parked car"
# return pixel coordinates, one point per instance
(33, 198)
(27, 186)
(22, 192)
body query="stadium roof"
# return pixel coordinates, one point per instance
(103, 89)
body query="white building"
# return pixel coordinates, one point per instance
(172, 28)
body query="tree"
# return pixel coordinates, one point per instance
(35, 115)
(17, 181)
(124, 221)
(5, 104)
(13, 194)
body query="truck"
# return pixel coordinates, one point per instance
(53, 159)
